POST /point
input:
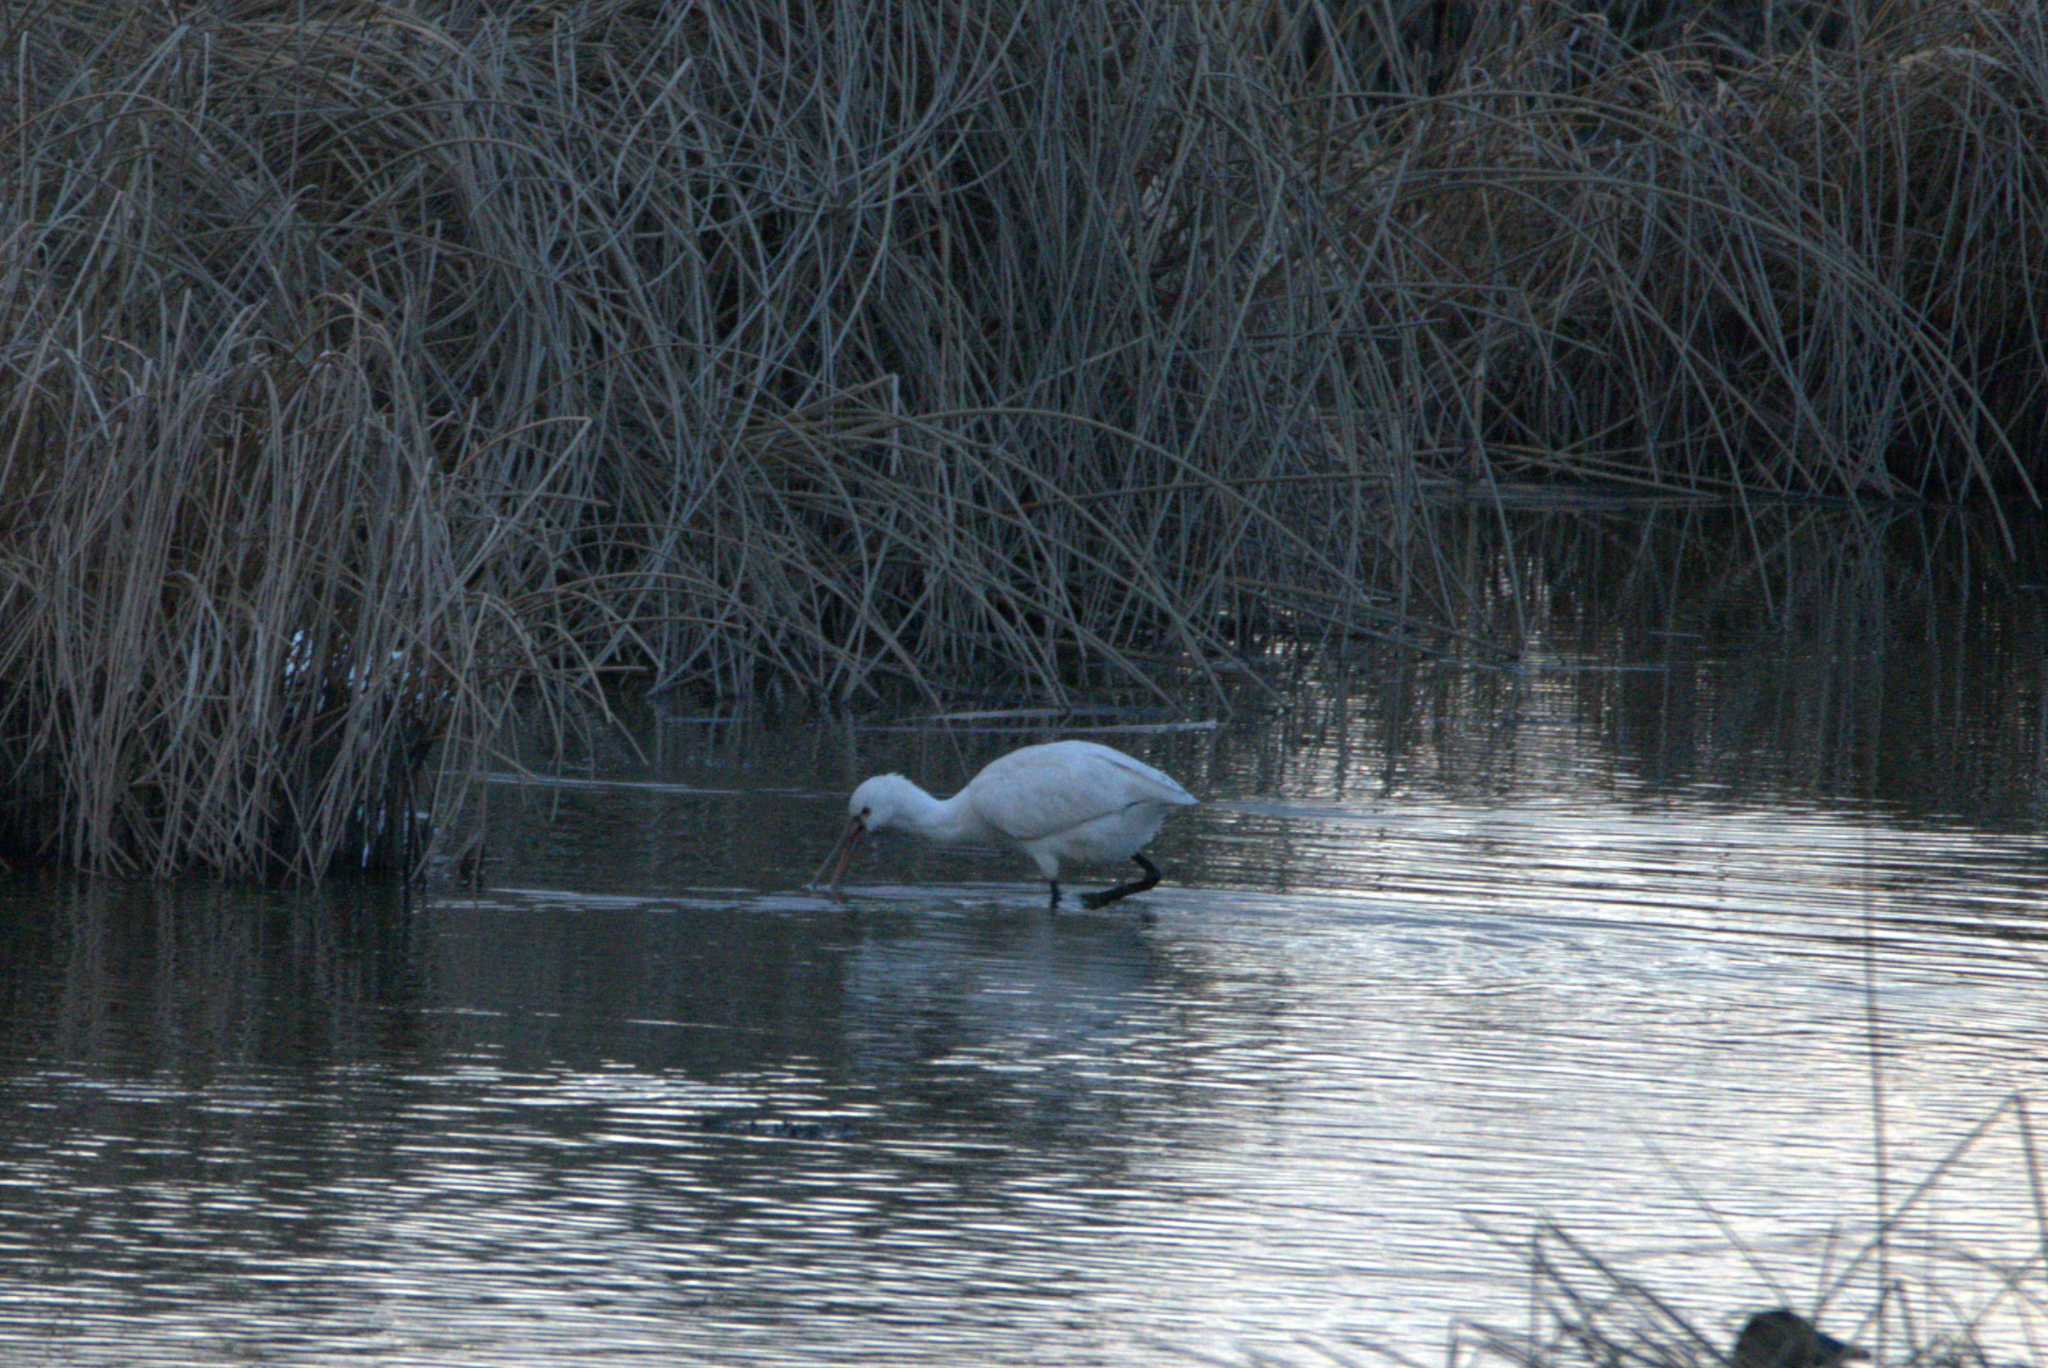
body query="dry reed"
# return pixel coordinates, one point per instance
(1586, 1309)
(368, 364)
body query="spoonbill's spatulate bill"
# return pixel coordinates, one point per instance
(1063, 803)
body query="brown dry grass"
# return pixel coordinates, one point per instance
(369, 366)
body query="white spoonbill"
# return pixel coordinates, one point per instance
(1062, 803)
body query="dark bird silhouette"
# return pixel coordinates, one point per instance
(1785, 1339)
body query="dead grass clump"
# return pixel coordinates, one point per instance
(829, 348)
(244, 601)
(1819, 272)
(367, 364)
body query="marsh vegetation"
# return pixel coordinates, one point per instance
(373, 368)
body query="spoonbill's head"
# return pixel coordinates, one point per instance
(878, 804)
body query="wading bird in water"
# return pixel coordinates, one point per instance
(1062, 803)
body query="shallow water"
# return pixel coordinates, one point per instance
(1608, 938)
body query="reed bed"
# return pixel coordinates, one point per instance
(371, 366)
(1705, 268)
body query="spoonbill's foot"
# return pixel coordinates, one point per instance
(1109, 895)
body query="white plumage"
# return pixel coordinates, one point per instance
(1063, 803)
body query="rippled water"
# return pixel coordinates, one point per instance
(1607, 939)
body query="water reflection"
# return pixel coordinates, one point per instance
(1594, 936)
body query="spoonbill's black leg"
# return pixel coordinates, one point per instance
(1055, 894)
(1110, 895)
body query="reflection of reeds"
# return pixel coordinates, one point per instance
(829, 347)
(1785, 653)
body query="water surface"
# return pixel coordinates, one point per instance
(1610, 936)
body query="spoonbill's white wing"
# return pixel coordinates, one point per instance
(1041, 791)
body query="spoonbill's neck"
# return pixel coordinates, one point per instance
(947, 821)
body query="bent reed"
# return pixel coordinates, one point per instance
(372, 367)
